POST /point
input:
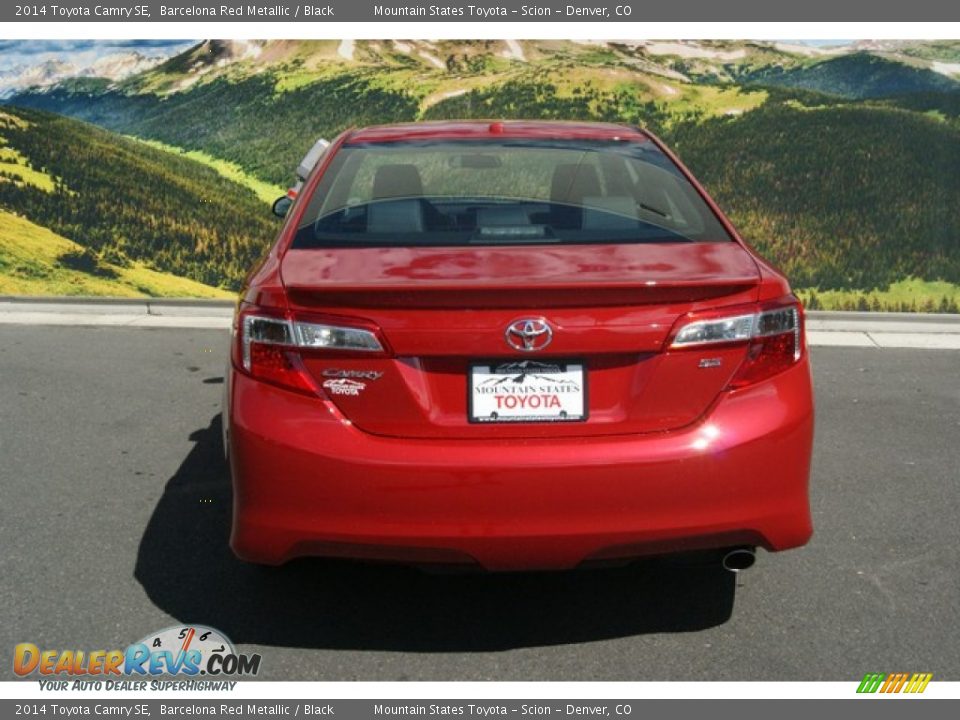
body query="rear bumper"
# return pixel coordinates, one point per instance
(307, 482)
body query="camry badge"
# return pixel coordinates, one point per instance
(360, 374)
(529, 334)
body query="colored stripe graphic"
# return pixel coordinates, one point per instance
(894, 683)
(918, 683)
(870, 683)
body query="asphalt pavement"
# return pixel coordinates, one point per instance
(115, 514)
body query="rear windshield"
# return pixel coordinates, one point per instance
(504, 192)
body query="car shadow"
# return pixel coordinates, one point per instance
(187, 570)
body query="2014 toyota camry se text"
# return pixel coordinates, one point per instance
(513, 345)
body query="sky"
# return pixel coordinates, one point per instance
(14, 53)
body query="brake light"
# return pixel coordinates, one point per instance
(772, 332)
(269, 347)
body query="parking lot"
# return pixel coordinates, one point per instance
(116, 507)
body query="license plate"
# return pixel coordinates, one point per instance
(527, 391)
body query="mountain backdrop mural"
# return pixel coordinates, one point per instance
(149, 171)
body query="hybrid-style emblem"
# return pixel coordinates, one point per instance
(529, 334)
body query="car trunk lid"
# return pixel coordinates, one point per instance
(444, 311)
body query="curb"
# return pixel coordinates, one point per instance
(93, 300)
(117, 312)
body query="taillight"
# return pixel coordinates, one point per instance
(772, 332)
(335, 337)
(269, 347)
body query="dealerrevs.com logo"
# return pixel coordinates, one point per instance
(181, 651)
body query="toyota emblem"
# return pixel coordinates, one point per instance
(529, 334)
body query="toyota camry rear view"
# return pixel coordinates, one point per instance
(518, 345)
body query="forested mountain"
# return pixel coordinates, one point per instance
(855, 76)
(125, 201)
(842, 165)
(244, 121)
(839, 195)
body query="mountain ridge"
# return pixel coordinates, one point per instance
(844, 190)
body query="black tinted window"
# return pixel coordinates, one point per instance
(505, 191)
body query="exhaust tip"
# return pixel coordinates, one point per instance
(739, 559)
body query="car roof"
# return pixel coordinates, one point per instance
(480, 129)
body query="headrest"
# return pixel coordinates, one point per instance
(397, 180)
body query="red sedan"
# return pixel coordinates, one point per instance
(518, 345)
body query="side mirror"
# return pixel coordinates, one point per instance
(281, 206)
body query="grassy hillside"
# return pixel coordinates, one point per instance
(942, 50)
(267, 192)
(36, 261)
(245, 122)
(127, 202)
(910, 295)
(851, 186)
(263, 114)
(838, 196)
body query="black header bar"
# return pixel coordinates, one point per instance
(577, 11)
